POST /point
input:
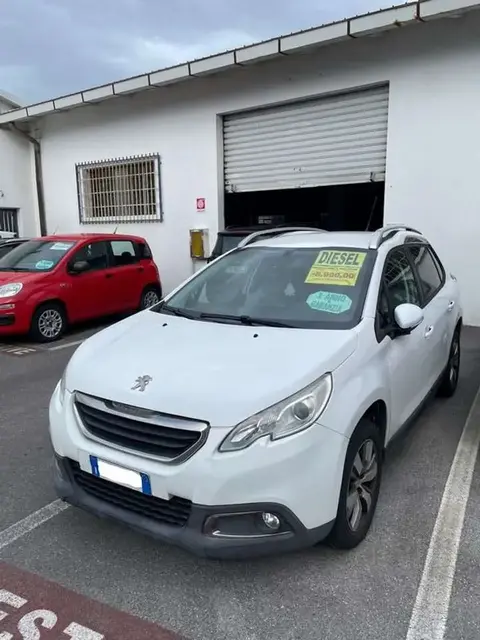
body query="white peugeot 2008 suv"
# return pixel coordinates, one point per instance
(248, 412)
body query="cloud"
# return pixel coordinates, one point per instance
(52, 47)
(140, 55)
(17, 80)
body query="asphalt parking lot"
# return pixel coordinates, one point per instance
(320, 593)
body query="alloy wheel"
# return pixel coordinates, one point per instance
(454, 367)
(150, 298)
(362, 484)
(50, 323)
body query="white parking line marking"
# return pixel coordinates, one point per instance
(66, 345)
(430, 611)
(31, 522)
(17, 350)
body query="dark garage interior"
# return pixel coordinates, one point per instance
(352, 207)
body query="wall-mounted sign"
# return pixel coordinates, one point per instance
(201, 203)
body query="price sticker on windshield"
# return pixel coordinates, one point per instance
(44, 264)
(329, 302)
(61, 246)
(340, 268)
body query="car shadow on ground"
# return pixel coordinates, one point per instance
(76, 332)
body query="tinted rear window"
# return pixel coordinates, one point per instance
(226, 243)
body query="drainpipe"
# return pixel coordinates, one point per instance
(38, 175)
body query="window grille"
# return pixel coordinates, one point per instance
(9, 220)
(120, 190)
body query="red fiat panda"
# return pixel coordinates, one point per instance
(52, 281)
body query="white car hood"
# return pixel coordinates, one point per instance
(219, 373)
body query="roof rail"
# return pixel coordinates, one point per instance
(253, 237)
(388, 231)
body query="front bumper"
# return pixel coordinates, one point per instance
(297, 478)
(14, 318)
(106, 500)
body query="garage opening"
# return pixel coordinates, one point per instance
(318, 163)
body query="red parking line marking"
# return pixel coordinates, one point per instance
(32, 607)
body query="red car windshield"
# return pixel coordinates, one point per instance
(36, 255)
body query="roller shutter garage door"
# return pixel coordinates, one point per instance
(341, 139)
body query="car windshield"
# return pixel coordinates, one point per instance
(4, 249)
(35, 255)
(279, 286)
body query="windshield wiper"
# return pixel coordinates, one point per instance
(14, 269)
(265, 322)
(248, 320)
(181, 313)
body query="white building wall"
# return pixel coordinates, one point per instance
(17, 180)
(433, 149)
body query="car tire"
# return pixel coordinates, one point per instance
(150, 295)
(360, 488)
(49, 322)
(449, 382)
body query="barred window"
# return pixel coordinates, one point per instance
(121, 190)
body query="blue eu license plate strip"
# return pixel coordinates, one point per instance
(119, 475)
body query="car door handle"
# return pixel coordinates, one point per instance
(451, 305)
(428, 331)
(109, 275)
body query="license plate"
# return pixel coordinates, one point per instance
(120, 475)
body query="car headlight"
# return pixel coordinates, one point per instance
(8, 290)
(294, 414)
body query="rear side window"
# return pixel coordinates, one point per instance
(429, 270)
(123, 252)
(143, 251)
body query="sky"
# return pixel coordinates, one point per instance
(50, 48)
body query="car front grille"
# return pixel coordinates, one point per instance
(174, 512)
(170, 443)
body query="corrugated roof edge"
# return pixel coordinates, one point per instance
(349, 28)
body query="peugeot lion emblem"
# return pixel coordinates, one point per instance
(141, 383)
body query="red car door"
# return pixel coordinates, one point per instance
(127, 275)
(88, 294)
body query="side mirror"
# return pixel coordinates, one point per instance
(80, 266)
(408, 317)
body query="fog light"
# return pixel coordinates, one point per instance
(7, 307)
(245, 524)
(271, 521)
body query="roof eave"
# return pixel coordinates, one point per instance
(351, 28)
(9, 100)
